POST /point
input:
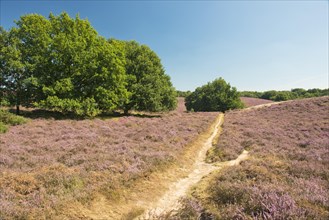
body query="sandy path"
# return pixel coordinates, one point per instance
(264, 105)
(170, 201)
(161, 192)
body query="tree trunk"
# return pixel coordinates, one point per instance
(17, 109)
(18, 102)
(126, 111)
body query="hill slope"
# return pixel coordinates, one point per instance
(287, 175)
(47, 165)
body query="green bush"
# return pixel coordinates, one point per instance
(8, 118)
(4, 102)
(215, 96)
(87, 107)
(297, 93)
(3, 127)
(183, 93)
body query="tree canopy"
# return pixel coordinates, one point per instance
(149, 88)
(214, 96)
(62, 64)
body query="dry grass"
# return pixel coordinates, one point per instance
(47, 164)
(287, 176)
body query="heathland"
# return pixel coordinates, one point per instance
(105, 140)
(53, 168)
(286, 175)
(47, 165)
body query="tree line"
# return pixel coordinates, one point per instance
(183, 93)
(296, 93)
(62, 64)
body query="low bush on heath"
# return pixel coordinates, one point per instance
(7, 119)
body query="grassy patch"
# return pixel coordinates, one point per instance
(3, 127)
(8, 119)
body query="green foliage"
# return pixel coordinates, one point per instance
(251, 94)
(183, 93)
(87, 107)
(3, 127)
(22, 55)
(215, 96)
(7, 119)
(148, 86)
(62, 64)
(11, 119)
(297, 93)
(87, 76)
(4, 101)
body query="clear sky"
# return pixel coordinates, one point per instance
(254, 45)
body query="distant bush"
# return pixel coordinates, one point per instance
(7, 118)
(297, 93)
(183, 93)
(251, 94)
(215, 96)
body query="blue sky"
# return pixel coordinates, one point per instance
(254, 45)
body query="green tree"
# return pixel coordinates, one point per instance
(14, 72)
(73, 69)
(298, 92)
(183, 93)
(283, 96)
(3, 39)
(148, 86)
(270, 95)
(33, 34)
(252, 94)
(62, 64)
(214, 96)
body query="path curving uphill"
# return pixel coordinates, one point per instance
(170, 201)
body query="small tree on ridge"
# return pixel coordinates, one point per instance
(214, 96)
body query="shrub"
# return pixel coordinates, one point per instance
(4, 102)
(3, 127)
(11, 119)
(87, 107)
(215, 96)
(297, 93)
